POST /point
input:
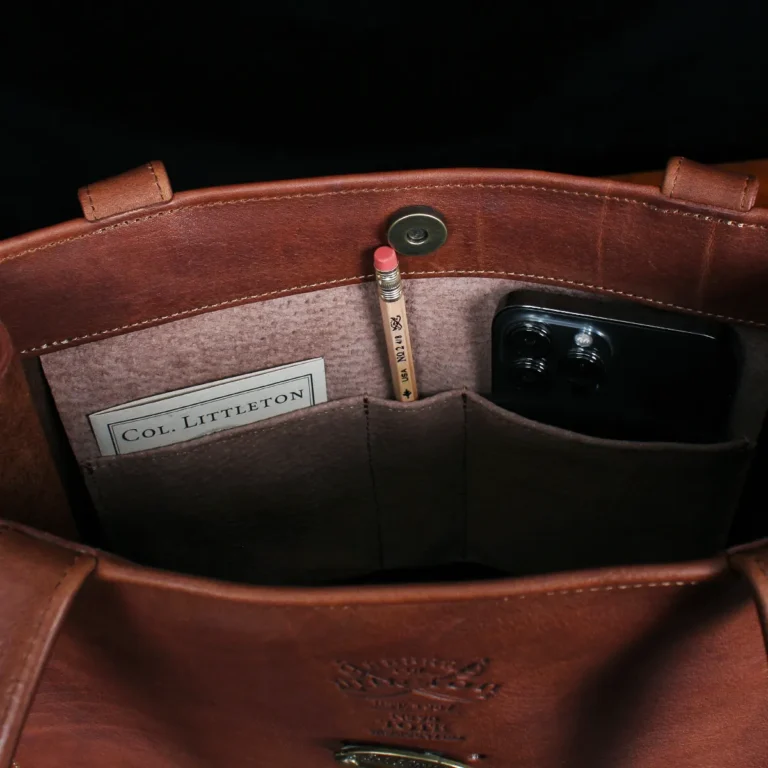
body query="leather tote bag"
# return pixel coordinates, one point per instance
(365, 581)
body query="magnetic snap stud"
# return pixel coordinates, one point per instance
(417, 230)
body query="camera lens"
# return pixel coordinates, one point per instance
(528, 339)
(528, 373)
(584, 368)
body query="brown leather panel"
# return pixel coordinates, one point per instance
(356, 486)
(633, 667)
(696, 183)
(130, 191)
(756, 168)
(38, 581)
(220, 247)
(30, 487)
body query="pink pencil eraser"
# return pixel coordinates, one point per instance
(385, 259)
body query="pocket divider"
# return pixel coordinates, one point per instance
(355, 486)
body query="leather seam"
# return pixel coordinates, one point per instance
(151, 167)
(706, 265)
(743, 201)
(346, 280)
(675, 178)
(90, 202)
(33, 638)
(383, 190)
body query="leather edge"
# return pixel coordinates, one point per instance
(22, 662)
(751, 562)
(49, 237)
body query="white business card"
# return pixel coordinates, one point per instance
(174, 417)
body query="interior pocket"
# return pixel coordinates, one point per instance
(542, 498)
(289, 500)
(417, 464)
(352, 487)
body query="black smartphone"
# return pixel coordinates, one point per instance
(614, 369)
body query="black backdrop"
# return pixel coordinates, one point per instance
(255, 91)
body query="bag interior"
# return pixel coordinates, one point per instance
(364, 488)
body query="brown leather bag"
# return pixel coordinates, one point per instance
(230, 615)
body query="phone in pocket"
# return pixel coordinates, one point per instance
(614, 369)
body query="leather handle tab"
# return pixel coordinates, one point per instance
(130, 191)
(696, 183)
(38, 582)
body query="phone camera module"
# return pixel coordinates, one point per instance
(527, 339)
(584, 369)
(529, 373)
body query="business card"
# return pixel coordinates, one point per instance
(184, 414)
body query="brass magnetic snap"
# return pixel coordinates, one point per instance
(417, 230)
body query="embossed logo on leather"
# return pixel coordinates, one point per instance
(421, 698)
(431, 678)
(406, 725)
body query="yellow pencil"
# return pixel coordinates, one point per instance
(393, 314)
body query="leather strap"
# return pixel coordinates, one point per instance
(130, 191)
(751, 560)
(695, 183)
(38, 581)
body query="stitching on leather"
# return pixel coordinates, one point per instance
(90, 201)
(187, 312)
(33, 638)
(343, 280)
(151, 167)
(106, 461)
(552, 593)
(600, 243)
(530, 595)
(706, 265)
(622, 587)
(378, 190)
(677, 174)
(743, 202)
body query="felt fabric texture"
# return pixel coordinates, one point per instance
(358, 485)
(450, 320)
(450, 323)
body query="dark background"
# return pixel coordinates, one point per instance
(226, 93)
(255, 91)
